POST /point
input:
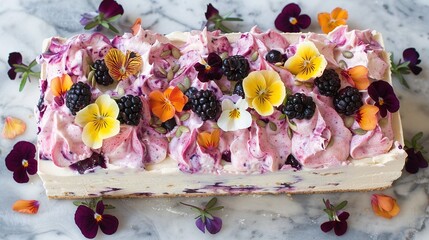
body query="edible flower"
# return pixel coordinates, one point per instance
(60, 85)
(215, 20)
(26, 206)
(122, 66)
(307, 62)
(384, 96)
(234, 115)
(291, 20)
(165, 104)
(384, 206)
(13, 127)
(415, 150)
(136, 26)
(337, 218)
(16, 66)
(205, 220)
(209, 140)
(99, 121)
(264, 90)
(357, 76)
(367, 117)
(108, 12)
(21, 161)
(411, 60)
(89, 216)
(329, 21)
(210, 69)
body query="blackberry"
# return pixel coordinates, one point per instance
(348, 101)
(235, 67)
(291, 160)
(205, 105)
(329, 83)
(275, 56)
(189, 93)
(89, 163)
(78, 97)
(299, 106)
(130, 110)
(238, 89)
(101, 73)
(169, 124)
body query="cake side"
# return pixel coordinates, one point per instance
(165, 178)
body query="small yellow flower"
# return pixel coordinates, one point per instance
(98, 121)
(264, 90)
(307, 62)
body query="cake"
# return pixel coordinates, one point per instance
(204, 113)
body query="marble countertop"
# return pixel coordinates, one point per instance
(23, 26)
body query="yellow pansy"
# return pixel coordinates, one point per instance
(264, 90)
(307, 62)
(98, 121)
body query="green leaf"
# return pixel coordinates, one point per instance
(211, 203)
(216, 208)
(91, 25)
(32, 64)
(112, 28)
(78, 203)
(341, 205)
(108, 206)
(23, 81)
(114, 18)
(104, 24)
(408, 144)
(415, 138)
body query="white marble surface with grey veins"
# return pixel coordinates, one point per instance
(25, 23)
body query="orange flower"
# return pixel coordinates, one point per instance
(209, 140)
(60, 85)
(26, 206)
(329, 21)
(13, 127)
(384, 206)
(136, 26)
(357, 76)
(367, 117)
(165, 105)
(122, 66)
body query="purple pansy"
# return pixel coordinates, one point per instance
(339, 225)
(384, 96)
(215, 20)
(211, 12)
(213, 226)
(108, 11)
(412, 56)
(89, 220)
(21, 161)
(110, 8)
(211, 69)
(291, 20)
(415, 161)
(14, 59)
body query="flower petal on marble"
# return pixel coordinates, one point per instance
(26, 206)
(13, 127)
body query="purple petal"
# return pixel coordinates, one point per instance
(327, 226)
(14, 58)
(340, 228)
(304, 21)
(282, 22)
(13, 160)
(382, 110)
(213, 225)
(11, 73)
(411, 55)
(411, 166)
(422, 163)
(87, 18)
(392, 103)
(100, 207)
(199, 67)
(200, 224)
(415, 69)
(20, 175)
(84, 219)
(292, 10)
(211, 12)
(109, 224)
(32, 166)
(214, 60)
(202, 76)
(344, 216)
(110, 8)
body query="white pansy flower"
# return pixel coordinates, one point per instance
(234, 115)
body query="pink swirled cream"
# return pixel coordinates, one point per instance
(205, 113)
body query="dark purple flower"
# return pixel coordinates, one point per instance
(415, 161)
(21, 161)
(211, 12)
(206, 220)
(89, 220)
(110, 8)
(211, 69)
(339, 225)
(412, 56)
(384, 96)
(14, 58)
(290, 20)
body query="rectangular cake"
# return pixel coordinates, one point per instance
(203, 113)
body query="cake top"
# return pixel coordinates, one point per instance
(243, 102)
